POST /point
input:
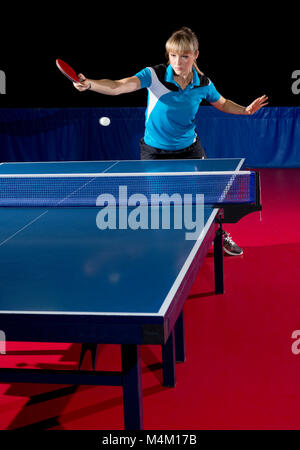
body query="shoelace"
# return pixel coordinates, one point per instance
(227, 238)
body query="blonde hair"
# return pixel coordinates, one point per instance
(183, 40)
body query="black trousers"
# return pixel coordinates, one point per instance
(194, 151)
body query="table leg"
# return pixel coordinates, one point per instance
(132, 387)
(169, 361)
(218, 261)
(180, 339)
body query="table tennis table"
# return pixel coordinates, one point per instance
(65, 280)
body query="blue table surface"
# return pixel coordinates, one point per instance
(57, 260)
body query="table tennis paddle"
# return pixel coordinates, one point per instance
(67, 71)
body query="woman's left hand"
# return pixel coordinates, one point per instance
(256, 105)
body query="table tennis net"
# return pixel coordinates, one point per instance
(66, 190)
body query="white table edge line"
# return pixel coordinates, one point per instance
(187, 263)
(123, 174)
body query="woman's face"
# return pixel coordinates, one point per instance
(182, 63)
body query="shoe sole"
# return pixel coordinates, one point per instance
(231, 253)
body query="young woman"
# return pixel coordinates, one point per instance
(175, 91)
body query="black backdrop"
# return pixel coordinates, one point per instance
(247, 50)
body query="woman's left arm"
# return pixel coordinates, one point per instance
(230, 107)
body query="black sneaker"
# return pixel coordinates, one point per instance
(229, 246)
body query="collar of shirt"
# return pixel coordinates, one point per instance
(169, 77)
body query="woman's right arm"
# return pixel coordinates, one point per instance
(109, 87)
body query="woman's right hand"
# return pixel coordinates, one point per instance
(84, 84)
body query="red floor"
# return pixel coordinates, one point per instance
(240, 371)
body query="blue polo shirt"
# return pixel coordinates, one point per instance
(171, 111)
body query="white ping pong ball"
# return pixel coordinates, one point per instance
(104, 121)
